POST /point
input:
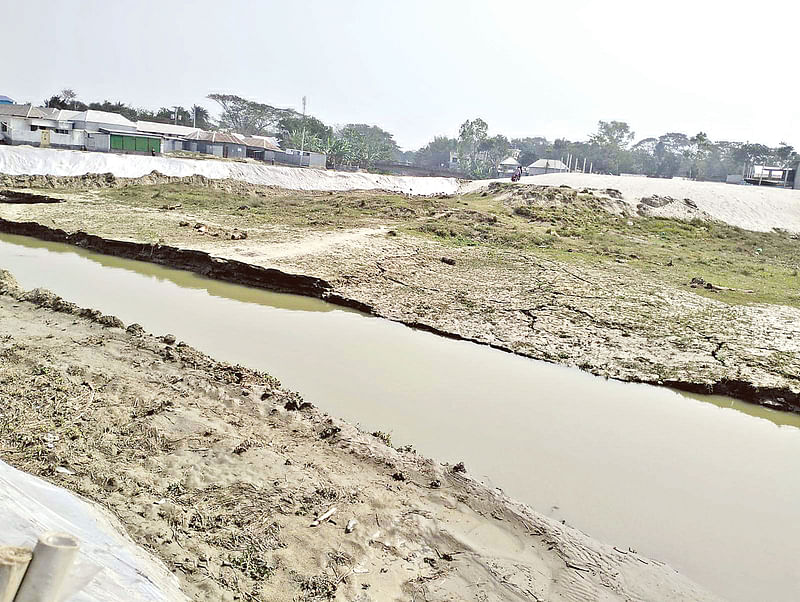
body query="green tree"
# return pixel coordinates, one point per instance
(367, 144)
(294, 122)
(337, 150)
(532, 149)
(66, 99)
(115, 107)
(436, 153)
(248, 117)
(471, 135)
(610, 146)
(297, 139)
(200, 117)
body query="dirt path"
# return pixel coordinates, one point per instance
(212, 468)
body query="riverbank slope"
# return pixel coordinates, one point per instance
(221, 473)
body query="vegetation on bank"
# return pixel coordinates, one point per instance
(558, 223)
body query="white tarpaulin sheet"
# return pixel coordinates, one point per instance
(22, 160)
(116, 569)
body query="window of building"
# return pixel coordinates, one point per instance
(61, 131)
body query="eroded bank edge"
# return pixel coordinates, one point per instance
(238, 272)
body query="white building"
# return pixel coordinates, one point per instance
(508, 166)
(543, 166)
(79, 130)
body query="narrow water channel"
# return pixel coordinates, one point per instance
(709, 485)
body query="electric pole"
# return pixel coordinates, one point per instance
(303, 136)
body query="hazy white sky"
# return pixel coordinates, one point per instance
(419, 68)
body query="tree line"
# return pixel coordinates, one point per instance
(611, 149)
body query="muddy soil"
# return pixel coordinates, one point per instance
(604, 317)
(231, 479)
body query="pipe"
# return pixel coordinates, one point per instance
(53, 558)
(13, 564)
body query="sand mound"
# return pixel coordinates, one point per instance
(758, 208)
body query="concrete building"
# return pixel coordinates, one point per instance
(543, 166)
(78, 130)
(36, 126)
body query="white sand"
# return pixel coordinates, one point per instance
(750, 207)
(22, 160)
(759, 208)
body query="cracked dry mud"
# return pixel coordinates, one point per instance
(604, 317)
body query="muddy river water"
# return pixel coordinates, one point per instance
(709, 485)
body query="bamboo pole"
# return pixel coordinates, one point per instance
(13, 564)
(53, 558)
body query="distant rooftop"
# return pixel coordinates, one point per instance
(13, 110)
(168, 129)
(103, 117)
(261, 142)
(549, 164)
(215, 137)
(5, 100)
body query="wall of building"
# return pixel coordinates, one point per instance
(235, 151)
(537, 171)
(169, 145)
(96, 141)
(94, 126)
(317, 160)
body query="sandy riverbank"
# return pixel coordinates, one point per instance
(208, 466)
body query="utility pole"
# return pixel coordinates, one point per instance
(175, 114)
(303, 136)
(194, 116)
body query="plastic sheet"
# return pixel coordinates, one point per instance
(109, 566)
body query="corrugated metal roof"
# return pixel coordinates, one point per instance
(59, 114)
(128, 133)
(22, 111)
(509, 161)
(6, 99)
(549, 164)
(214, 137)
(165, 128)
(261, 142)
(103, 117)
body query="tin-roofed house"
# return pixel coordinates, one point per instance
(262, 148)
(292, 156)
(218, 144)
(543, 166)
(5, 100)
(507, 167)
